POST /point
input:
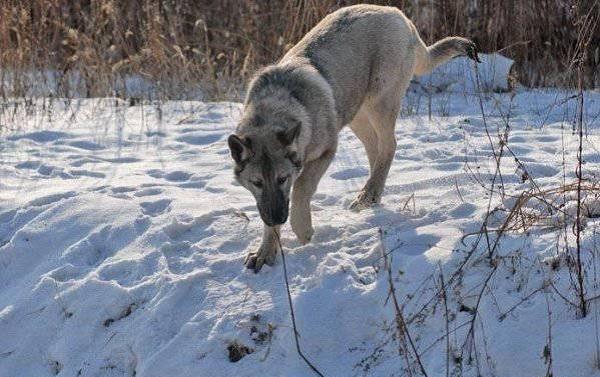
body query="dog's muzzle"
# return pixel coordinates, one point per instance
(274, 209)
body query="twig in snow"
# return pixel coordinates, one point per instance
(587, 25)
(439, 339)
(289, 296)
(458, 190)
(502, 316)
(445, 301)
(412, 196)
(548, 347)
(561, 295)
(470, 338)
(579, 175)
(595, 286)
(403, 333)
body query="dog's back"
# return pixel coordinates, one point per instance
(355, 49)
(362, 50)
(353, 68)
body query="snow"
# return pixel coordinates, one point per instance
(72, 83)
(460, 74)
(123, 235)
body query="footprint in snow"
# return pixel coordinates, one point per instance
(122, 189)
(200, 138)
(433, 138)
(547, 138)
(149, 192)
(350, 173)
(28, 165)
(209, 117)
(447, 166)
(194, 184)
(463, 210)
(155, 208)
(542, 170)
(65, 273)
(87, 145)
(47, 170)
(42, 136)
(155, 173)
(155, 134)
(50, 199)
(79, 161)
(174, 176)
(86, 173)
(177, 176)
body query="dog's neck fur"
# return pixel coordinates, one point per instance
(289, 87)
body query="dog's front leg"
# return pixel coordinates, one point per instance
(267, 252)
(304, 188)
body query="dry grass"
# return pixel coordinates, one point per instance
(180, 47)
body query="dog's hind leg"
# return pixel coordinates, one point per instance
(382, 113)
(304, 188)
(267, 252)
(362, 128)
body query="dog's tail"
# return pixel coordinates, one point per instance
(429, 57)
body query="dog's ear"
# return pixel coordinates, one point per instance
(290, 134)
(240, 148)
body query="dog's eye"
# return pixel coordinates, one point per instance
(258, 184)
(282, 180)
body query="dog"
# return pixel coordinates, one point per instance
(353, 68)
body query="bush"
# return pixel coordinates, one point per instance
(107, 47)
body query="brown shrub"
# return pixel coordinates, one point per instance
(181, 46)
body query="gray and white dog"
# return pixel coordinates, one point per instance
(353, 68)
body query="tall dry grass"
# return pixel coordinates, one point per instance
(181, 48)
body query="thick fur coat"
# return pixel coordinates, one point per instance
(352, 69)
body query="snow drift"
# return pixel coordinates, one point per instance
(122, 236)
(461, 75)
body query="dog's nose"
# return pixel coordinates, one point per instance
(274, 212)
(280, 215)
(281, 219)
(273, 222)
(277, 217)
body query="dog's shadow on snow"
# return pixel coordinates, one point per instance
(358, 239)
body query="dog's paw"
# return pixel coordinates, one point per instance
(301, 223)
(364, 200)
(304, 234)
(264, 255)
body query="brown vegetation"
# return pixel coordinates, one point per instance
(181, 46)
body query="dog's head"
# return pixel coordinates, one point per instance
(267, 165)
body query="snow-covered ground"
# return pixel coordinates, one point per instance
(123, 235)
